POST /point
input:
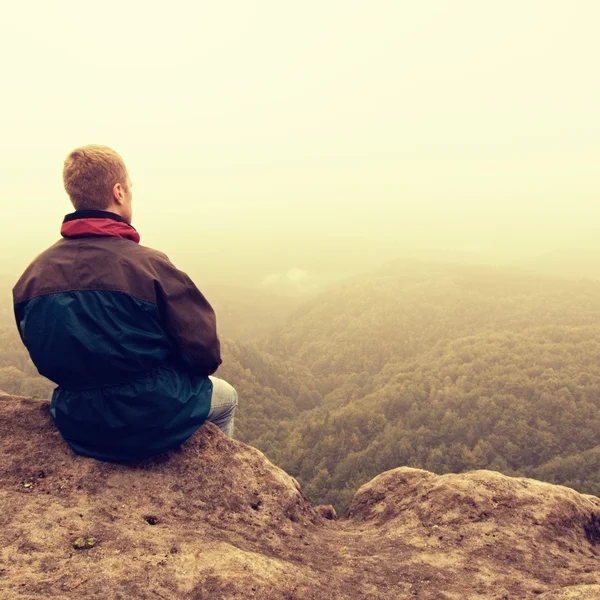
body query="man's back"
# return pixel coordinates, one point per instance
(128, 338)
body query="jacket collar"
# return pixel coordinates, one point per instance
(86, 223)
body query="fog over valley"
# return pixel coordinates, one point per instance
(272, 137)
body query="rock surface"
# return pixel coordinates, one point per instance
(215, 519)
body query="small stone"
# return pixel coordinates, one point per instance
(84, 543)
(326, 511)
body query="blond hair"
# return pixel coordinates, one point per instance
(89, 175)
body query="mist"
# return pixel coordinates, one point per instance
(324, 137)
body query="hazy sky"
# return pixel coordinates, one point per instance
(471, 124)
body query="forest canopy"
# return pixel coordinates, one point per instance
(445, 368)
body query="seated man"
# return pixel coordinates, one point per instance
(129, 339)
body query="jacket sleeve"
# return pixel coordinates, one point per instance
(189, 319)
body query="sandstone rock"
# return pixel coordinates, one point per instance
(327, 511)
(215, 519)
(516, 534)
(577, 592)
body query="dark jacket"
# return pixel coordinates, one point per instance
(128, 339)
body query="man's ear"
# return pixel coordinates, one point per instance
(118, 193)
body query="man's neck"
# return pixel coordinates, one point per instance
(94, 214)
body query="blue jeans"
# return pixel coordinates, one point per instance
(223, 403)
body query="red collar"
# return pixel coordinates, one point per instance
(106, 227)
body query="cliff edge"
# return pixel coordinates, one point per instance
(215, 519)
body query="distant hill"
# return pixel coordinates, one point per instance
(444, 368)
(247, 314)
(573, 263)
(434, 366)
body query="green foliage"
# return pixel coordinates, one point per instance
(446, 369)
(272, 392)
(442, 368)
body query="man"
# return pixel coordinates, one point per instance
(128, 339)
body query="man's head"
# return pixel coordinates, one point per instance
(96, 178)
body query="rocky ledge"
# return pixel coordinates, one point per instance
(216, 520)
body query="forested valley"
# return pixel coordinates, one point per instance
(446, 368)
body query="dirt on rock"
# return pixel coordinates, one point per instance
(215, 519)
